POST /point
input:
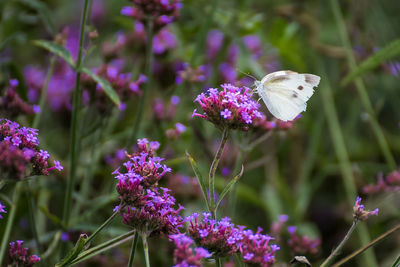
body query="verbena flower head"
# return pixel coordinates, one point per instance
(19, 255)
(256, 249)
(156, 216)
(277, 226)
(19, 152)
(163, 12)
(11, 104)
(232, 107)
(184, 255)
(360, 213)
(390, 183)
(301, 245)
(191, 75)
(221, 238)
(174, 133)
(163, 111)
(2, 210)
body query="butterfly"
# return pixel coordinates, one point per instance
(285, 93)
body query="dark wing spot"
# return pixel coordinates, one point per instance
(311, 79)
(290, 72)
(294, 95)
(300, 87)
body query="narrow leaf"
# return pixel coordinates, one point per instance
(57, 49)
(72, 254)
(229, 186)
(382, 55)
(105, 85)
(198, 176)
(397, 262)
(56, 220)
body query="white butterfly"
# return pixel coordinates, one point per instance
(285, 93)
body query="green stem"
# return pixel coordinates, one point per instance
(343, 158)
(146, 250)
(10, 221)
(361, 88)
(74, 137)
(370, 244)
(43, 93)
(32, 219)
(218, 262)
(340, 246)
(133, 250)
(214, 165)
(98, 230)
(148, 73)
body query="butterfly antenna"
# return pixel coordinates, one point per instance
(247, 74)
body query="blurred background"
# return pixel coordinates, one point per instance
(311, 169)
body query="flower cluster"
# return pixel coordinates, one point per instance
(256, 250)
(359, 212)
(2, 210)
(156, 216)
(389, 183)
(232, 107)
(163, 12)
(162, 112)
(121, 83)
(11, 105)
(184, 255)
(219, 237)
(19, 255)
(301, 245)
(143, 206)
(277, 226)
(19, 148)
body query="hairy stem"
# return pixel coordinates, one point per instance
(214, 166)
(133, 250)
(340, 246)
(74, 137)
(10, 221)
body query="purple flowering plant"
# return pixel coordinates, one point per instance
(98, 83)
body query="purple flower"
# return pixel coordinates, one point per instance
(214, 44)
(184, 255)
(253, 44)
(19, 151)
(163, 41)
(19, 255)
(300, 245)
(360, 213)
(390, 183)
(2, 210)
(231, 102)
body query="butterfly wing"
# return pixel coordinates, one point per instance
(286, 93)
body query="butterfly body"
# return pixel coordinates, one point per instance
(285, 93)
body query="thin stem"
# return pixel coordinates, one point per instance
(218, 262)
(10, 221)
(109, 220)
(148, 73)
(214, 165)
(146, 250)
(361, 88)
(74, 136)
(370, 244)
(32, 219)
(43, 93)
(340, 246)
(133, 250)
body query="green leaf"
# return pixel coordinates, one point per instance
(198, 176)
(56, 220)
(105, 85)
(43, 12)
(384, 54)
(229, 186)
(73, 253)
(57, 49)
(397, 262)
